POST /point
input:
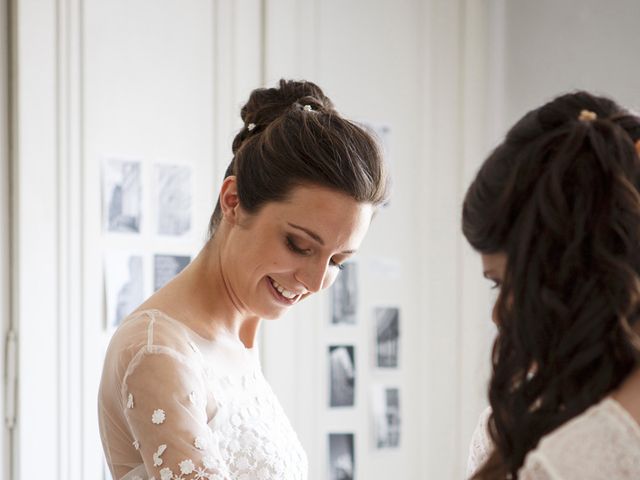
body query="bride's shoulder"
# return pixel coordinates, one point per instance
(154, 331)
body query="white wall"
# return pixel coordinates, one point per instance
(552, 47)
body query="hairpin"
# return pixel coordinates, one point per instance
(307, 108)
(251, 126)
(587, 116)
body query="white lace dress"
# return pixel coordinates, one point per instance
(175, 406)
(603, 443)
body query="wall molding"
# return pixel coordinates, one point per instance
(70, 201)
(6, 460)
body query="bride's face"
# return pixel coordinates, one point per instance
(290, 249)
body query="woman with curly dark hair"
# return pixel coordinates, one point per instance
(555, 213)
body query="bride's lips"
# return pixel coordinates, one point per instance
(278, 296)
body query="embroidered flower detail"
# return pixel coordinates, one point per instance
(130, 401)
(243, 463)
(200, 443)
(157, 461)
(158, 416)
(136, 444)
(193, 398)
(166, 474)
(236, 419)
(186, 467)
(209, 462)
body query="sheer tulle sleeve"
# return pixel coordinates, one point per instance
(481, 444)
(166, 407)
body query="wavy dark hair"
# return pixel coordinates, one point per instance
(560, 198)
(293, 135)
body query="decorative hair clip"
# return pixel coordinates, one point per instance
(251, 126)
(587, 116)
(307, 108)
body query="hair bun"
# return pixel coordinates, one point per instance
(267, 104)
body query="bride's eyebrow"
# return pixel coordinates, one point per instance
(311, 233)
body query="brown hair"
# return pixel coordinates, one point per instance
(292, 135)
(560, 198)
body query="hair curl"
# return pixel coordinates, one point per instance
(293, 135)
(560, 197)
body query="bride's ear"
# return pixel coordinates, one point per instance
(229, 200)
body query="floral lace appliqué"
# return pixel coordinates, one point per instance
(157, 460)
(158, 416)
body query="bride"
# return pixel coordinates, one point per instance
(182, 394)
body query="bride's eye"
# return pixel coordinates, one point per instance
(295, 248)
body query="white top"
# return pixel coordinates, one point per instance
(603, 443)
(176, 406)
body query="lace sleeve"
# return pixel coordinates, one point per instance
(481, 444)
(165, 405)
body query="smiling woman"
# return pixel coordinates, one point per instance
(182, 394)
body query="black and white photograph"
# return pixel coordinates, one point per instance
(387, 321)
(341, 456)
(121, 196)
(342, 379)
(124, 285)
(174, 198)
(165, 267)
(344, 296)
(386, 416)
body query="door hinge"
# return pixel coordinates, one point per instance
(10, 379)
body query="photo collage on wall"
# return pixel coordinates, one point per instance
(147, 230)
(384, 403)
